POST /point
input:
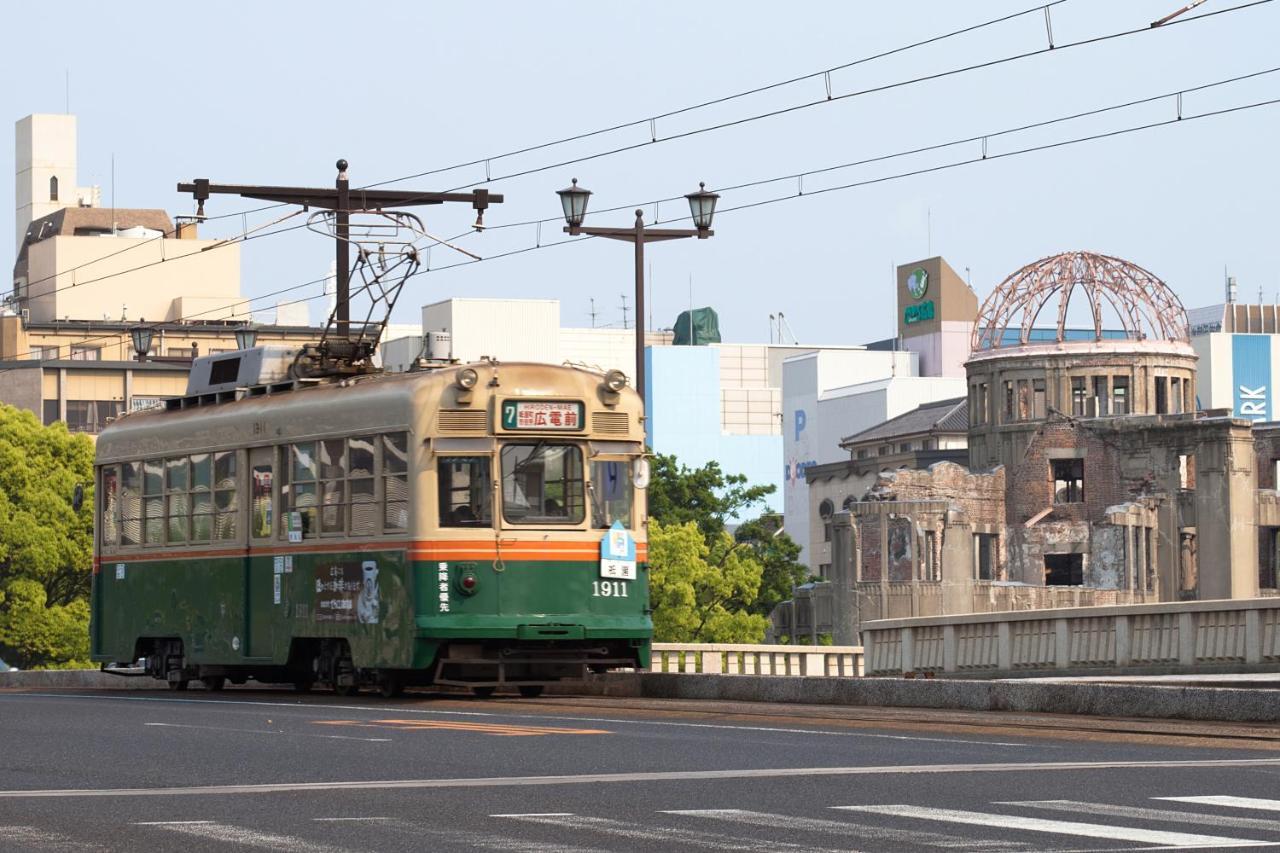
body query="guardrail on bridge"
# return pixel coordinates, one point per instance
(1189, 636)
(750, 659)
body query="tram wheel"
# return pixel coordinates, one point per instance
(483, 692)
(214, 683)
(390, 687)
(178, 685)
(531, 691)
(346, 689)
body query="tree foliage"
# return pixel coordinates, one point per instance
(46, 547)
(696, 589)
(708, 585)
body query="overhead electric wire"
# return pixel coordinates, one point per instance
(1051, 48)
(728, 124)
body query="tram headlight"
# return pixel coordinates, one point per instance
(615, 380)
(640, 472)
(467, 378)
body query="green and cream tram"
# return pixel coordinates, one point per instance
(478, 525)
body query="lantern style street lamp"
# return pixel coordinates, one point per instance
(702, 208)
(141, 341)
(246, 337)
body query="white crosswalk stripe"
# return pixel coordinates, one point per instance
(669, 838)
(1058, 827)
(460, 838)
(245, 837)
(861, 832)
(34, 838)
(1230, 802)
(1136, 813)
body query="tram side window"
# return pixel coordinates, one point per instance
(201, 497)
(225, 500)
(361, 453)
(109, 493)
(260, 483)
(303, 488)
(395, 475)
(153, 501)
(131, 503)
(465, 491)
(333, 476)
(611, 493)
(176, 500)
(542, 483)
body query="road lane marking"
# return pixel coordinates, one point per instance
(33, 837)
(249, 837)
(610, 720)
(669, 838)
(1058, 827)
(170, 822)
(1230, 802)
(340, 819)
(496, 729)
(424, 834)
(653, 776)
(1197, 818)
(268, 732)
(862, 831)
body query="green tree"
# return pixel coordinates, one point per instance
(706, 496)
(697, 588)
(46, 547)
(778, 555)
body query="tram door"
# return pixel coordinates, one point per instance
(263, 581)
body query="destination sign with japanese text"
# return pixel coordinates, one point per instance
(542, 415)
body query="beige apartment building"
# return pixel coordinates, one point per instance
(86, 277)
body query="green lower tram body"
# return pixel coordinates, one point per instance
(361, 618)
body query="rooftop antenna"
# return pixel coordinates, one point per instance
(68, 91)
(783, 324)
(593, 311)
(113, 193)
(968, 279)
(772, 320)
(624, 312)
(929, 232)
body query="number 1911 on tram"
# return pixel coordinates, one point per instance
(478, 525)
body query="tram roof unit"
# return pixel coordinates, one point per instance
(298, 410)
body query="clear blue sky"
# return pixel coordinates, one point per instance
(250, 93)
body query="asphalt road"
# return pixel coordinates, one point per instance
(260, 770)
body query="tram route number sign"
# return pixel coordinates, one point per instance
(542, 415)
(618, 554)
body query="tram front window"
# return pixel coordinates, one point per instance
(543, 484)
(466, 491)
(611, 492)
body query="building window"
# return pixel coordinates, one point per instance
(824, 571)
(1038, 410)
(862, 454)
(983, 403)
(84, 353)
(1068, 480)
(1100, 395)
(86, 415)
(825, 510)
(930, 567)
(1024, 400)
(1064, 569)
(53, 188)
(1162, 395)
(50, 412)
(1175, 395)
(1120, 395)
(1078, 396)
(984, 556)
(44, 353)
(904, 447)
(1008, 401)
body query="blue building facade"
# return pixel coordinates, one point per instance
(682, 388)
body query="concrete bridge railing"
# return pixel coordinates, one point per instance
(1173, 637)
(747, 659)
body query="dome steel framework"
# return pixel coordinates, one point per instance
(1145, 306)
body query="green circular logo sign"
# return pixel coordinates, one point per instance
(917, 282)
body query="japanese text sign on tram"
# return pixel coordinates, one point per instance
(618, 554)
(547, 415)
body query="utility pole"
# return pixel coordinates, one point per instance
(343, 201)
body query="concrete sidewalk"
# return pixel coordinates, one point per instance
(1180, 701)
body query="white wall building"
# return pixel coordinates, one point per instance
(45, 170)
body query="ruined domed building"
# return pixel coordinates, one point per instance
(1093, 476)
(1082, 385)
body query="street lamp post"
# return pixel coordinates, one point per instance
(702, 207)
(141, 341)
